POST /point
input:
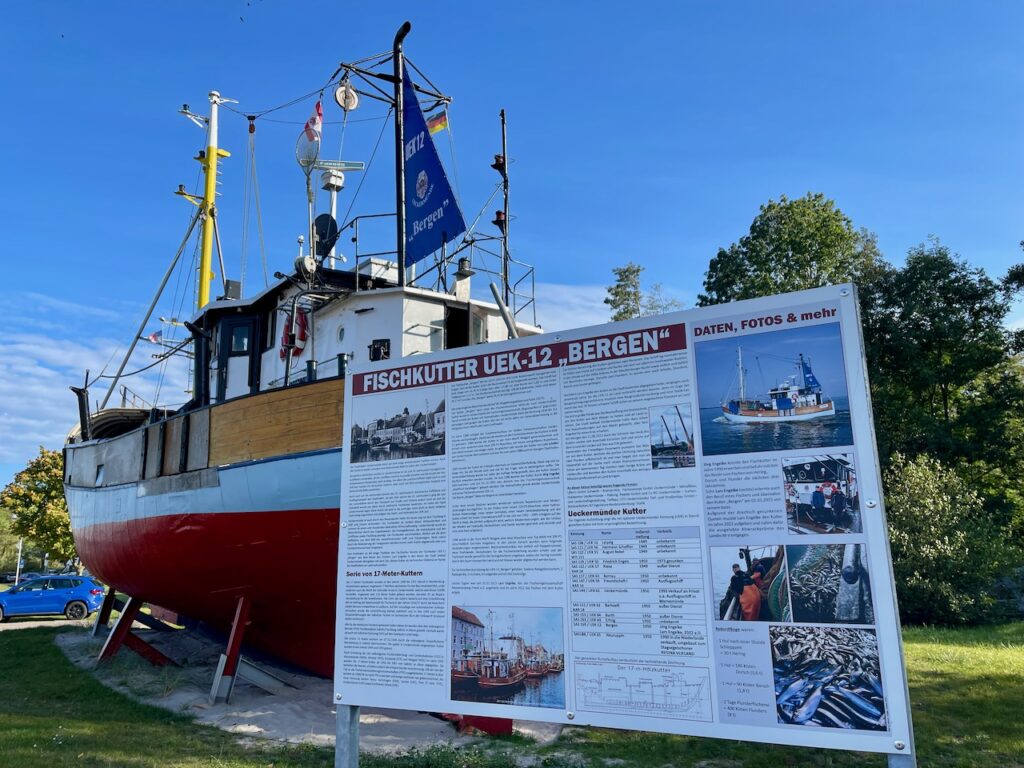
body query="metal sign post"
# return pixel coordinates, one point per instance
(346, 745)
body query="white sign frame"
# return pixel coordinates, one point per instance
(378, 579)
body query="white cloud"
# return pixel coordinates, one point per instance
(561, 306)
(48, 346)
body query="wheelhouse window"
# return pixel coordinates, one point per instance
(240, 340)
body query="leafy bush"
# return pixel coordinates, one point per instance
(947, 553)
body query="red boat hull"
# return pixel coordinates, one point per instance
(198, 565)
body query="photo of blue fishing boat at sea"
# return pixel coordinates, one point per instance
(671, 436)
(830, 584)
(398, 425)
(773, 391)
(827, 677)
(508, 655)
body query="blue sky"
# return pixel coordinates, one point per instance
(650, 134)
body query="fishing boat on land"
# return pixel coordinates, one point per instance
(228, 505)
(798, 398)
(675, 446)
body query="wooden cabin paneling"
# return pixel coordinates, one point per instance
(172, 445)
(303, 418)
(198, 439)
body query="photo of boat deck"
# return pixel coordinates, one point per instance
(750, 583)
(821, 494)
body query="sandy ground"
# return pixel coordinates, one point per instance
(303, 714)
(16, 623)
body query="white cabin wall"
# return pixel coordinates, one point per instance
(414, 322)
(422, 327)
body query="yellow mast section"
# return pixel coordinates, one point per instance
(209, 205)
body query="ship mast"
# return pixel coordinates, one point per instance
(208, 207)
(398, 57)
(743, 382)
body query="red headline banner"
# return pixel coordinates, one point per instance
(648, 341)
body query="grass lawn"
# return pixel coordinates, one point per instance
(966, 687)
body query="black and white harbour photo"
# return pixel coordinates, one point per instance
(399, 425)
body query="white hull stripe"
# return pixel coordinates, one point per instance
(303, 481)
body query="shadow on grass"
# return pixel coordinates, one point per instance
(1009, 635)
(970, 722)
(52, 715)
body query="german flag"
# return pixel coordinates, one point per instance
(438, 122)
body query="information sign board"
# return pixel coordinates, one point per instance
(669, 524)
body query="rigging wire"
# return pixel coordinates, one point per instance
(325, 122)
(451, 149)
(483, 208)
(163, 357)
(246, 206)
(149, 311)
(177, 298)
(362, 176)
(259, 220)
(344, 127)
(291, 103)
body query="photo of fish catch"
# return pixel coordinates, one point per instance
(829, 584)
(828, 677)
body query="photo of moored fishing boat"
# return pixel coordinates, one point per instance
(508, 656)
(750, 583)
(672, 436)
(829, 583)
(760, 392)
(400, 431)
(821, 493)
(827, 677)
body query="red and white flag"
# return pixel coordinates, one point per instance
(315, 123)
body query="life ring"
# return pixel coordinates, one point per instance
(301, 333)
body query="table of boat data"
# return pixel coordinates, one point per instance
(638, 591)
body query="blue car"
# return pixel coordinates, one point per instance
(74, 596)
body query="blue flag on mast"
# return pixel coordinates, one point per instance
(810, 380)
(432, 215)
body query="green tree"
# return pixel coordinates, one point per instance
(8, 544)
(627, 298)
(946, 550)
(943, 377)
(792, 245)
(34, 502)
